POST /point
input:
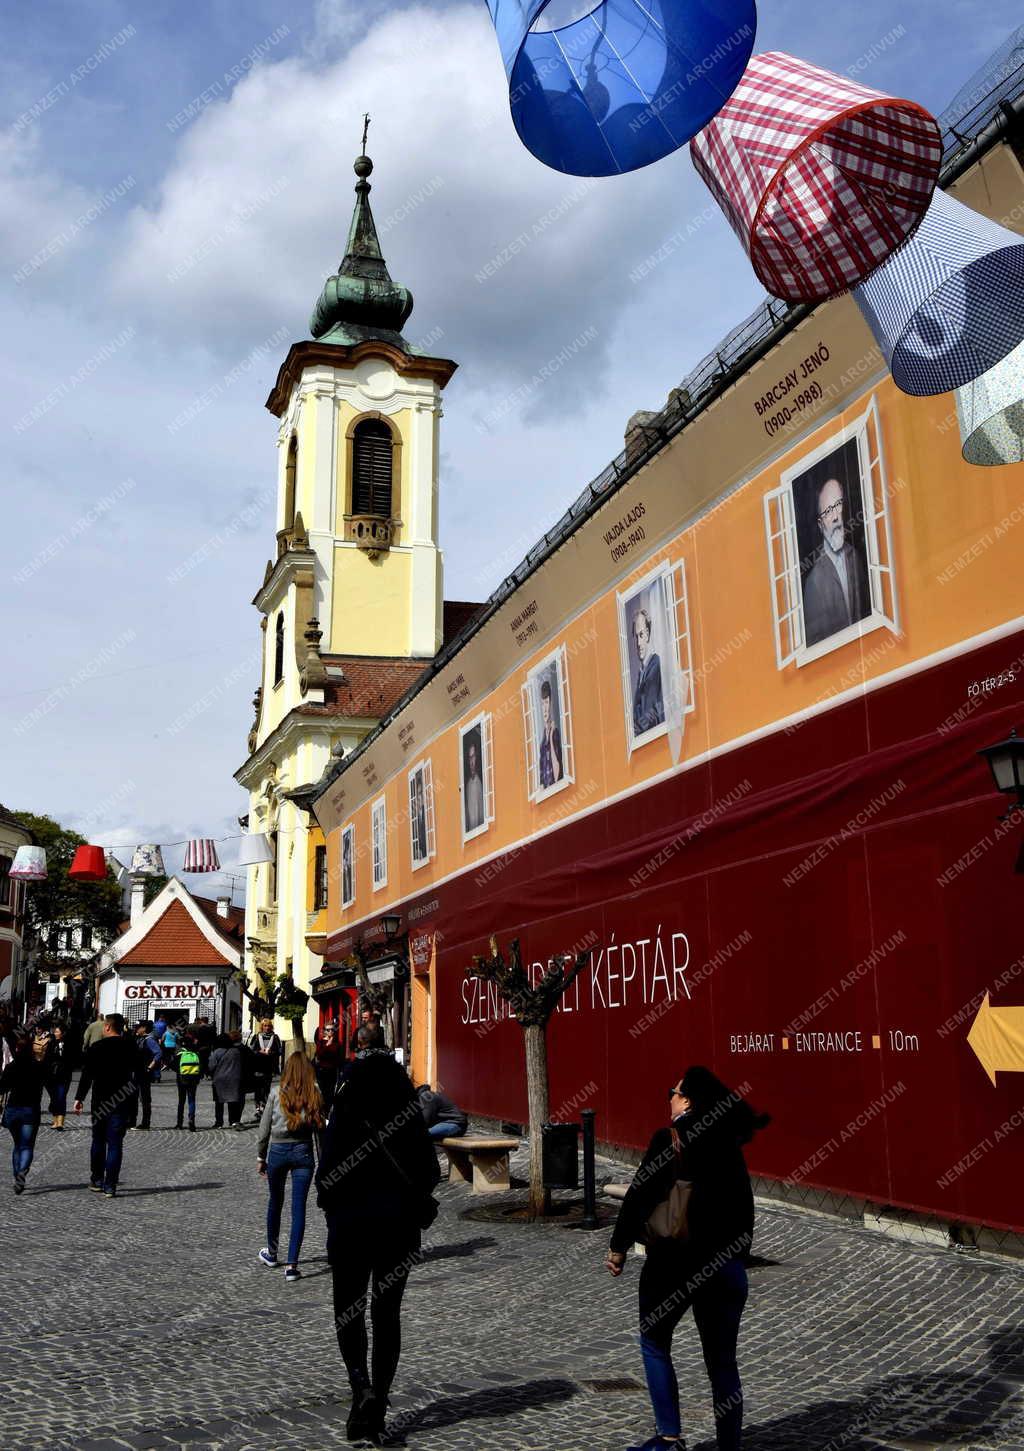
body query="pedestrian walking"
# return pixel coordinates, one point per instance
(188, 1071)
(59, 1072)
(92, 1034)
(21, 1086)
(221, 1044)
(328, 1062)
(444, 1119)
(374, 1182)
(109, 1072)
(289, 1130)
(150, 1057)
(693, 1180)
(229, 1080)
(266, 1049)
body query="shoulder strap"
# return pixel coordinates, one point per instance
(375, 1132)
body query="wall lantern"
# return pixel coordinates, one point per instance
(1006, 761)
(390, 922)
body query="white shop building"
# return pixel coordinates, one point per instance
(176, 958)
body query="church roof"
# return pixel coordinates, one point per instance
(361, 300)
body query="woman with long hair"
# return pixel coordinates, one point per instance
(703, 1266)
(22, 1082)
(291, 1122)
(59, 1073)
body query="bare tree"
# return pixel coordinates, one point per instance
(532, 1006)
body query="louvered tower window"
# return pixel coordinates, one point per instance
(372, 458)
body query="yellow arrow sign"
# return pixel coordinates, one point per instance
(997, 1038)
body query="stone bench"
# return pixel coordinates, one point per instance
(480, 1162)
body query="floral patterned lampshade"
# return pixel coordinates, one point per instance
(29, 864)
(597, 89)
(147, 861)
(990, 411)
(819, 177)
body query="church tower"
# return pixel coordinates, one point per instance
(352, 603)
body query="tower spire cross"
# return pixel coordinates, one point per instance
(366, 127)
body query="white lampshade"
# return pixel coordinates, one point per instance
(949, 304)
(991, 413)
(29, 864)
(255, 850)
(147, 861)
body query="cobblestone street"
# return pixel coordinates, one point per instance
(146, 1321)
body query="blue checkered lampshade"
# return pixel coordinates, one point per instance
(991, 413)
(949, 304)
(597, 89)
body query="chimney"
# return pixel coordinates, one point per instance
(223, 903)
(138, 905)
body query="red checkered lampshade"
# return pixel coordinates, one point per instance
(201, 856)
(820, 178)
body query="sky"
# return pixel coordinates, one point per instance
(175, 185)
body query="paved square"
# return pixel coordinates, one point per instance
(147, 1321)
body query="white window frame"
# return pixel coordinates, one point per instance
(677, 672)
(784, 551)
(531, 715)
(483, 721)
(379, 842)
(423, 767)
(349, 832)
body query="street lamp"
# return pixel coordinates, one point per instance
(1006, 761)
(391, 922)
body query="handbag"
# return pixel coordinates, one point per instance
(427, 1207)
(670, 1219)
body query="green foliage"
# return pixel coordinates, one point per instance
(62, 902)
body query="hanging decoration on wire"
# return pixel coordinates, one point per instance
(598, 89)
(201, 856)
(819, 177)
(255, 850)
(949, 305)
(147, 861)
(29, 864)
(88, 864)
(990, 411)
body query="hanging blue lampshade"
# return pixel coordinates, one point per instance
(597, 89)
(949, 304)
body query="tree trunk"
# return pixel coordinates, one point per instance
(535, 1038)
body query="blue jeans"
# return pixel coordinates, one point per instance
(298, 1159)
(22, 1123)
(718, 1300)
(187, 1090)
(445, 1129)
(58, 1098)
(107, 1149)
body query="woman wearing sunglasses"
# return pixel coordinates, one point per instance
(702, 1263)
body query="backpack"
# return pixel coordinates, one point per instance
(170, 1039)
(188, 1063)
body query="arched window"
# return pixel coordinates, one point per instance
(279, 649)
(290, 468)
(372, 464)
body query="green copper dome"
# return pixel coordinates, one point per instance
(360, 301)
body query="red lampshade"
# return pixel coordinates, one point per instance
(89, 864)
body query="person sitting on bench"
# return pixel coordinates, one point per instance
(444, 1120)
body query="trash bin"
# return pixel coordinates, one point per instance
(559, 1156)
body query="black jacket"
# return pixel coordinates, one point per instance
(58, 1061)
(376, 1119)
(437, 1108)
(23, 1080)
(109, 1069)
(721, 1213)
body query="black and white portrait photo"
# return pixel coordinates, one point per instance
(550, 769)
(653, 682)
(474, 769)
(348, 893)
(828, 509)
(419, 806)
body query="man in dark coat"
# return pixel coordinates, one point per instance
(109, 1072)
(835, 592)
(377, 1170)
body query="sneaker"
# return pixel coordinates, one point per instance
(19, 1188)
(96, 1188)
(266, 1258)
(110, 1192)
(293, 1273)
